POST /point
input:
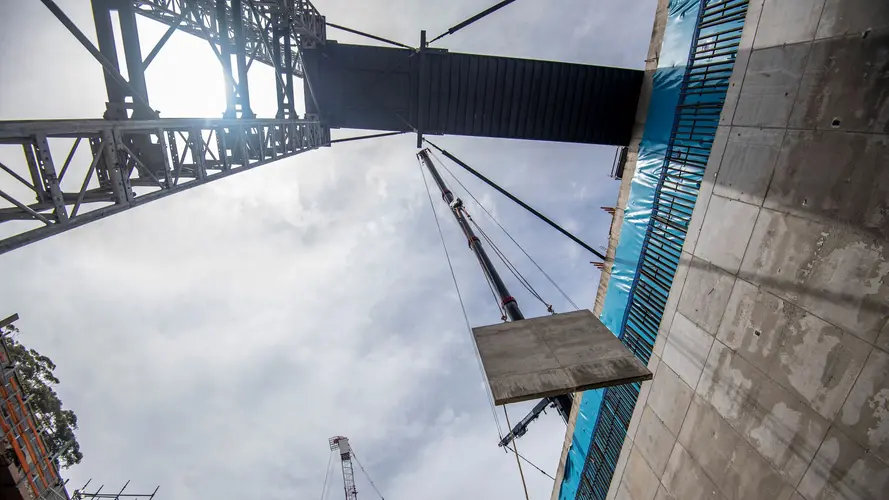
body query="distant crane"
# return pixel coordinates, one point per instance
(341, 444)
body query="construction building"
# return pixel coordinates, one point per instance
(28, 469)
(747, 263)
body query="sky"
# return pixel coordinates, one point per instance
(211, 342)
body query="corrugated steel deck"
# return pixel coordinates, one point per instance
(440, 92)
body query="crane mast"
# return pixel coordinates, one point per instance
(342, 444)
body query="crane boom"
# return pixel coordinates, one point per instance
(341, 443)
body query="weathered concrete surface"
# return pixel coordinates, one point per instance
(552, 355)
(832, 270)
(773, 371)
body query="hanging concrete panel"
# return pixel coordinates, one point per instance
(552, 355)
(434, 91)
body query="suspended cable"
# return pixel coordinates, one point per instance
(473, 19)
(510, 266)
(530, 463)
(368, 35)
(462, 304)
(366, 474)
(508, 235)
(360, 137)
(326, 476)
(516, 451)
(516, 200)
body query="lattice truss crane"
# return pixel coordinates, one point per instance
(341, 446)
(135, 156)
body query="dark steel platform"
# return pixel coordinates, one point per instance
(439, 92)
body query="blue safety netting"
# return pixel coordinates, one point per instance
(666, 80)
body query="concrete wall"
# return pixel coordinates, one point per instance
(772, 361)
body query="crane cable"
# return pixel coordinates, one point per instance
(509, 265)
(326, 476)
(505, 260)
(462, 304)
(366, 474)
(516, 451)
(507, 233)
(472, 338)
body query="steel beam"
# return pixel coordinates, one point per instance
(133, 162)
(300, 19)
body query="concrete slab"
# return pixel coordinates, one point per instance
(644, 483)
(654, 441)
(736, 468)
(754, 324)
(686, 480)
(883, 340)
(837, 274)
(636, 417)
(842, 469)
(844, 85)
(705, 294)
(720, 140)
(726, 231)
(865, 414)
(619, 469)
(663, 494)
(687, 349)
(669, 398)
(552, 355)
(847, 17)
(809, 357)
(780, 427)
(748, 163)
(818, 363)
(770, 85)
(788, 21)
(672, 302)
(834, 176)
(751, 23)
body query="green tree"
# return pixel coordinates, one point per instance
(35, 372)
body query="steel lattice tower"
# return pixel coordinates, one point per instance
(138, 157)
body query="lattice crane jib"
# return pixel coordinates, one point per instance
(67, 173)
(341, 445)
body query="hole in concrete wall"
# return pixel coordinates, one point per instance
(835, 123)
(866, 32)
(757, 333)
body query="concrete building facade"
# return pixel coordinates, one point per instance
(772, 361)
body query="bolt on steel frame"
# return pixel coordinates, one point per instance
(133, 155)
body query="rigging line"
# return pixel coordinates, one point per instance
(519, 202)
(366, 474)
(503, 258)
(486, 12)
(509, 265)
(531, 463)
(491, 216)
(516, 451)
(360, 137)
(368, 35)
(462, 305)
(326, 476)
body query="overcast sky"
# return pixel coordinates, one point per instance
(212, 342)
